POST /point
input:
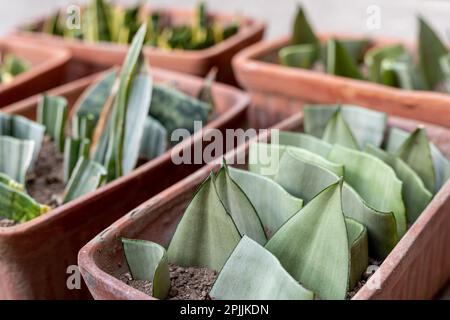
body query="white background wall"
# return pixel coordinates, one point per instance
(398, 17)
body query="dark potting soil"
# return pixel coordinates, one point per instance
(373, 266)
(45, 184)
(190, 283)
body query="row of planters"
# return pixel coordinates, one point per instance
(79, 157)
(338, 193)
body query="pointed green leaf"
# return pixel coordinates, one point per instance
(317, 236)
(114, 155)
(52, 113)
(431, 49)
(15, 157)
(24, 129)
(415, 195)
(253, 273)
(205, 94)
(444, 63)
(148, 261)
(359, 253)
(298, 56)
(206, 234)
(154, 140)
(239, 206)
(304, 141)
(367, 126)
(95, 25)
(273, 204)
(86, 177)
(137, 110)
(374, 58)
(340, 62)
(374, 180)
(302, 32)
(337, 131)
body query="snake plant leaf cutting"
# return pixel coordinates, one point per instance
(106, 21)
(239, 206)
(253, 273)
(52, 113)
(304, 179)
(398, 141)
(317, 235)
(73, 150)
(273, 211)
(206, 234)
(304, 141)
(337, 131)
(366, 126)
(205, 94)
(16, 156)
(11, 66)
(431, 49)
(415, 194)
(340, 62)
(9, 182)
(366, 173)
(388, 64)
(17, 205)
(87, 176)
(154, 140)
(148, 261)
(24, 129)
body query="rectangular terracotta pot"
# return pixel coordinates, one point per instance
(272, 85)
(48, 66)
(416, 268)
(34, 256)
(197, 62)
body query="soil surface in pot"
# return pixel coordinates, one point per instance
(46, 184)
(186, 283)
(373, 266)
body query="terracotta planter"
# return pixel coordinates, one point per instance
(272, 86)
(34, 256)
(47, 69)
(416, 269)
(197, 62)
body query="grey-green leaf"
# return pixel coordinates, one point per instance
(273, 204)
(298, 56)
(206, 234)
(304, 141)
(86, 177)
(253, 273)
(415, 195)
(239, 206)
(367, 126)
(337, 131)
(15, 157)
(375, 56)
(317, 236)
(148, 261)
(137, 111)
(24, 129)
(374, 181)
(357, 239)
(52, 113)
(154, 140)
